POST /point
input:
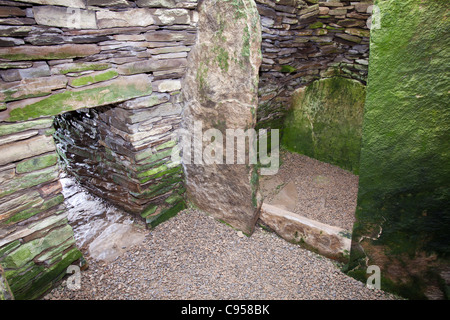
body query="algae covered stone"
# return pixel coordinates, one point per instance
(402, 217)
(325, 122)
(99, 94)
(220, 91)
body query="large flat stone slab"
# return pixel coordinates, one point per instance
(99, 94)
(114, 241)
(64, 51)
(140, 17)
(220, 90)
(330, 241)
(287, 198)
(26, 148)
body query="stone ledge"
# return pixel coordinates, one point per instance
(332, 242)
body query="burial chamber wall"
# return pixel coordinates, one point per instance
(304, 41)
(99, 84)
(102, 79)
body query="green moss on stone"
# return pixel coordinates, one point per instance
(168, 144)
(222, 58)
(90, 79)
(26, 252)
(152, 171)
(175, 197)
(151, 209)
(325, 122)
(156, 156)
(9, 247)
(162, 173)
(245, 52)
(29, 180)
(28, 213)
(46, 279)
(11, 95)
(402, 214)
(6, 129)
(287, 69)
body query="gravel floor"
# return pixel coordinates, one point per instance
(193, 256)
(326, 193)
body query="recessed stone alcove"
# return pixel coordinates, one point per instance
(117, 83)
(96, 148)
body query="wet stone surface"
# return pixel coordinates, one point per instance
(102, 231)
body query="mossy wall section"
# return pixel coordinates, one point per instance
(325, 122)
(403, 218)
(111, 82)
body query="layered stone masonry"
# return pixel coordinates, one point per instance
(110, 72)
(308, 40)
(112, 69)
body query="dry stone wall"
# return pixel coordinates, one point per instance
(308, 40)
(108, 74)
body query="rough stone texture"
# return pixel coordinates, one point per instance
(287, 197)
(27, 148)
(109, 3)
(327, 240)
(72, 3)
(325, 122)
(157, 3)
(28, 88)
(99, 94)
(220, 90)
(132, 17)
(113, 241)
(303, 42)
(194, 257)
(403, 218)
(54, 63)
(38, 69)
(5, 291)
(64, 17)
(46, 243)
(323, 192)
(48, 52)
(126, 161)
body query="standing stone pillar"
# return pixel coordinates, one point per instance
(402, 217)
(220, 91)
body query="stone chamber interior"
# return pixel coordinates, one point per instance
(103, 100)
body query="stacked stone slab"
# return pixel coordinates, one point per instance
(402, 215)
(308, 40)
(110, 72)
(220, 90)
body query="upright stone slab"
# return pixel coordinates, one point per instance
(403, 217)
(220, 90)
(325, 122)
